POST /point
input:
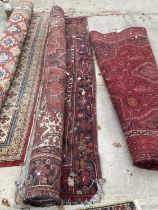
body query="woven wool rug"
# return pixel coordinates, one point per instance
(80, 159)
(64, 165)
(121, 206)
(11, 43)
(17, 111)
(129, 70)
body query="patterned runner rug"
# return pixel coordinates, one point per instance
(129, 69)
(80, 165)
(17, 112)
(64, 165)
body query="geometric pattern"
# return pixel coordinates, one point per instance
(11, 43)
(130, 73)
(17, 111)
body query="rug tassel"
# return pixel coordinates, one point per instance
(137, 204)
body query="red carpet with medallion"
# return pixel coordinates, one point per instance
(130, 73)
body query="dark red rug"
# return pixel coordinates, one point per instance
(129, 70)
(80, 165)
(64, 166)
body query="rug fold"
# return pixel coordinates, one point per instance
(11, 44)
(129, 70)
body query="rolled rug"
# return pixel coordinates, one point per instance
(11, 43)
(130, 73)
(43, 184)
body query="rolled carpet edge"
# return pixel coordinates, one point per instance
(42, 201)
(144, 156)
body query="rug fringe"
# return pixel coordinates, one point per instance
(95, 199)
(100, 193)
(137, 204)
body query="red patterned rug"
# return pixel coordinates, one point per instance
(80, 166)
(129, 70)
(43, 184)
(11, 43)
(17, 111)
(64, 165)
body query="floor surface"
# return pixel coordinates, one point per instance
(123, 180)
